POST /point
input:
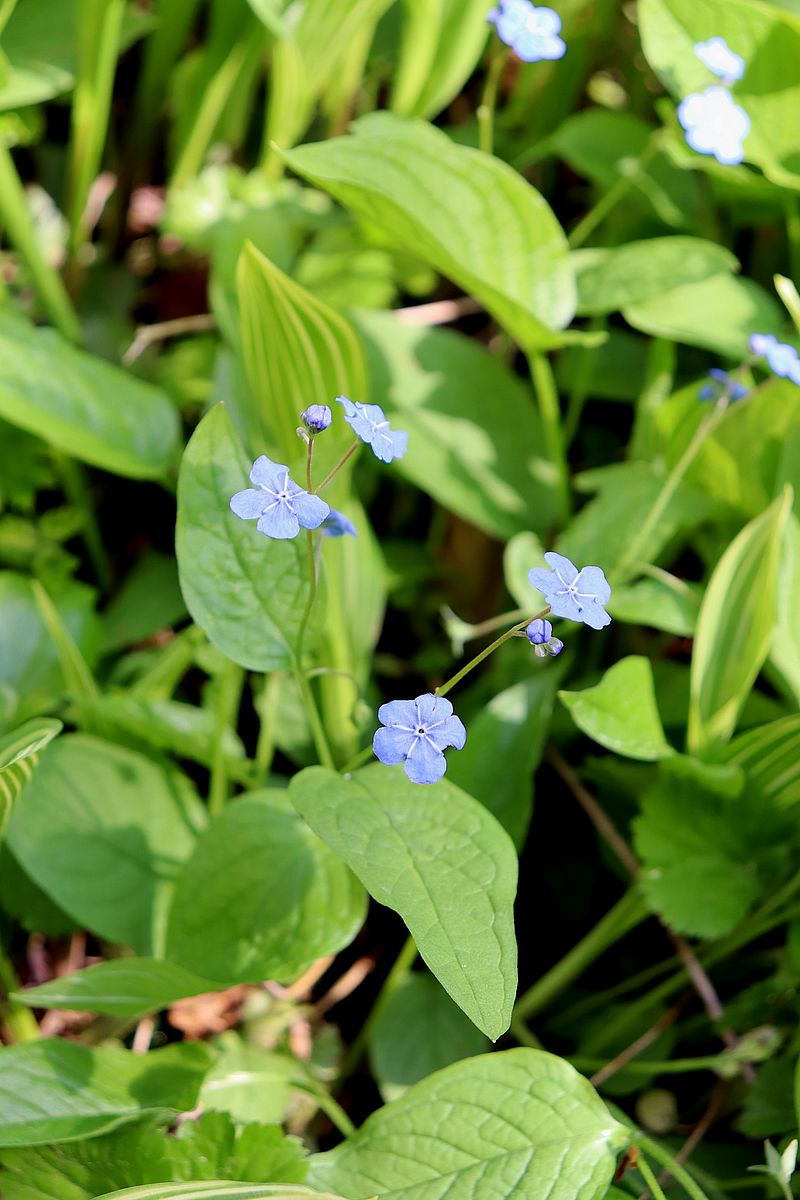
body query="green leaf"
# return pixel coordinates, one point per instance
(439, 859)
(769, 92)
(148, 602)
(133, 822)
(19, 753)
(698, 871)
(620, 711)
(123, 987)
(53, 1090)
(262, 897)
(661, 601)
(297, 351)
(418, 1032)
(433, 198)
(442, 43)
(785, 650)
(511, 729)
(521, 1122)
(247, 591)
(482, 462)
(610, 279)
(248, 1082)
(521, 553)
(680, 313)
(88, 408)
(770, 756)
(215, 1190)
(735, 626)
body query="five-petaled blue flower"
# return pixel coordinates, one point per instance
(782, 359)
(540, 635)
(369, 423)
(316, 418)
(578, 595)
(279, 505)
(531, 32)
(336, 524)
(714, 124)
(415, 734)
(717, 55)
(722, 384)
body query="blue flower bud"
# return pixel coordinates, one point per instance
(539, 632)
(316, 418)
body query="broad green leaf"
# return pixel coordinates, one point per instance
(439, 859)
(297, 351)
(247, 591)
(617, 370)
(680, 313)
(442, 42)
(433, 198)
(475, 440)
(122, 987)
(29, 664)
(735, 626)
(520, 1123)
(524, 551)
(86, 407)
(218, 1190)
(249, 1083)
(620, 711)
(130, 823)
(53, 1090)
(262, 897)
(769, 92)
(610, 279)
(19, 753)
(419, 1031)
(511, 729)
(698, 871)
(148, 602)
(661, 601)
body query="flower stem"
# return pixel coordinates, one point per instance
(650, 1179)
(309, 457)
(673, 1166)
(314, 719)
(485, 113)
(608, 202)
(230, 684)
(357, 760)
(337, 468)
(550, 413)
(459, 675)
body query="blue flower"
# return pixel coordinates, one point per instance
(316, 418)
(782, 359)
(540, 634)
(717, 55)
(531, 32)
(578, 595)
(370, 424)
(714, 124)
(336, 524)
(722, 384)
(280, 506)
(415, 734)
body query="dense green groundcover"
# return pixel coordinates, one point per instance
(239, 957)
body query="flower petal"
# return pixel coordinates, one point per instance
(268, 474)
(402, 714)
(392, 745)
(450, 732)
(310, 510)
(424, 763)
(250, 503)
(564, 569)
(279, 521)
(590, 581)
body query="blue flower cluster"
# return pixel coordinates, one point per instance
(417, 732)
(531, 32)
(722, 384)
(713, 122)
(781, 358)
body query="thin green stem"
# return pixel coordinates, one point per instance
(314, 720)
(73, 478)
(638, 544)
(230, 683)
(626, 914)
(488, 103)
(357, 760)
(673, 1166)
(649, 1178)
(337, 468)
(312, 595)
(550, 413)
(332, 1109)
(459, 675)
(402, 965)
(18, 1018)
(16, 220)
(608, 202)
(586, 358)
(672, 1066)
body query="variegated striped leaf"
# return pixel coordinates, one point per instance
(19, 752)
(213, 1190)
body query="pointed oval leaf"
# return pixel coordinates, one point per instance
(620, 711)
(434, 198)
(122, 987)
(247, 591)
(217, 1190)
(262, 897)
(103, 831)
(735, 626)
(439, 859)
(87, 407)
(522, 1123)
